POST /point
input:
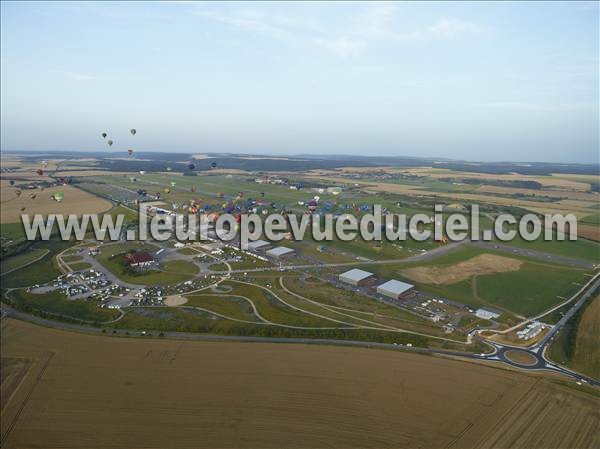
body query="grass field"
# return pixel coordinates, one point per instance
(112, 257)
(179, 266)
(182, 394)
(39, 272)
(55, 303)
(577, 343)
(12, 264)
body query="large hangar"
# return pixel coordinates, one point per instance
(357, 277)
(395, 289)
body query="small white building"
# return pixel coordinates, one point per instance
(280, 252)
(487, 314)
(395, 289)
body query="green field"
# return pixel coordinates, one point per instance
(225, 305)
(58, 306)
(179, 266)
(12, 264)
(39, 272)
(112, 258)
(577, 343)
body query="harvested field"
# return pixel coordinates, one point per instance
(175, 300)
(75, 202)
(482, 264)
(181, 394)
(590, 232)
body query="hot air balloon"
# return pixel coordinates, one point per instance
(172, 183)
(32, 196)
(142, 172)
(22, 209)
(169, 168)
(39, 171)
(110, 142)
(167, 190)
(18, 192)
(132, 179)
(191, 166)
(130, 152)
(104, 135)
(312, 205)
(58, 197)
(213, 165)
(44, 164)
(132, 131)
(11, 182)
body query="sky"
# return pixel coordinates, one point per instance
(486, 81)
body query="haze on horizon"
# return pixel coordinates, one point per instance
(476, 81)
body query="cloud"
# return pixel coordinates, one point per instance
(453, 27)
(75, 76)
(349, 37)
(342, 46)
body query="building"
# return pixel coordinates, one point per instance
(259, 245)
(280, 252)
(487, 314)
(357, 277)
(139, 259)
(395, 289)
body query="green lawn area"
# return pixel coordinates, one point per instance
(578, 249)
(226, 305)
(218, 267)
(13, 263)
(179, 266)
(56, 303)
(12, 230)
(69, 259)
(188, 251)
(80, 266)
(39, 272)
(113, 258)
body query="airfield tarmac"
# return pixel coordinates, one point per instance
(73, 390)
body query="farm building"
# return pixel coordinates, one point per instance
(139, 259)
(280, 252)
(357, 277)
(259, 245)
(487, 314)
(395, 289)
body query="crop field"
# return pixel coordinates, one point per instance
(75, 201)
(478, 265)
(208, 394)
(577, 344)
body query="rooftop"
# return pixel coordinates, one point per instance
(280, 251)
(356, 275)
(395, 287)
(257, 244)
(139, 257)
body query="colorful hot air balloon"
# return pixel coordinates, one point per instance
(173, 183)
(104, 135)
(191, 166)
(167, 190)
(40, 172)
(213, 165)
(58, 197)
(132, 131)
(110, 142)
(130, 152)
